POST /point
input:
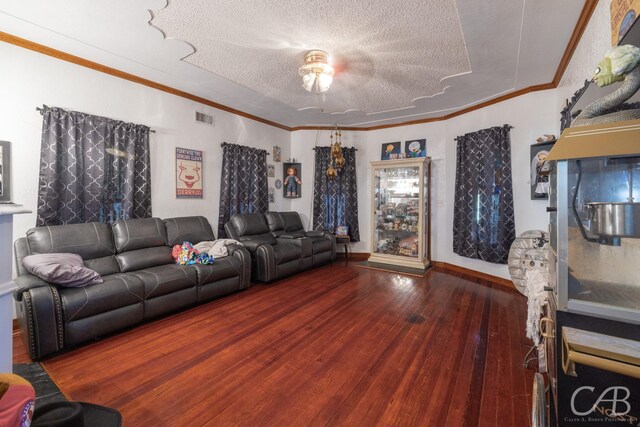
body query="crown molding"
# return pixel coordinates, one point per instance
(578, 31)
(45, 50)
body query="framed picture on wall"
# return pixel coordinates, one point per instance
(271, 171)
(390, 151)
(188, 174)
(276, 153)
(540, 170)
(291, 183)
(415, 148)
(5, 172)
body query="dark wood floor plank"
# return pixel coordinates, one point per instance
(337, 345)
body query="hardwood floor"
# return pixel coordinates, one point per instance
(337, 345)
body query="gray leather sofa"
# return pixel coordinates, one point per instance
(141, 279)
(278, 244)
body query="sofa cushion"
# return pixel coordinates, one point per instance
(61, 269)
(292, 221)
(144, 258)
(194, 229)
(117, 290)
(105, 265)
(132, 234)
(166, 279)
(249, 224)
(90, 240)
(285, 253)
(274, 221)
(222, 268)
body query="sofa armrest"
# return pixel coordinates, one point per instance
(252, 245)
(231, 248)
(39, 311)
(290, 240)
(317, 233)
(290, 236)
(241, 253)
(25, 283)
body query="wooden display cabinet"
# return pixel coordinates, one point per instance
(400, 212)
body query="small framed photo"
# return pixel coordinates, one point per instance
(271, 171)
(390, 151)
(342, 230)
(272, 195)
(415, 148)
(276, 153)
(5, 171)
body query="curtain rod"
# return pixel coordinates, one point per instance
(261, 149)
(314, 148)
(509, 127)
(41, 110)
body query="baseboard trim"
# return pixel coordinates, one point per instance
(499, 281)
(476, 274)
(354, 256)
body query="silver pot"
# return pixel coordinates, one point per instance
(614, 219)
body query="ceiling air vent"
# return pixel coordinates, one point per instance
(205, 118)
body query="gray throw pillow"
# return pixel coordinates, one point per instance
(61, 269)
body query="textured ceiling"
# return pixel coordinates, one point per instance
(385, 53)
(396, 60)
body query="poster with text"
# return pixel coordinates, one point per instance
(188, 174)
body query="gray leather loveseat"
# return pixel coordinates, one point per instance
(278, 244)
(141, 279)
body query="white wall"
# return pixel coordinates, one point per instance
(29, 79)
(594, 43)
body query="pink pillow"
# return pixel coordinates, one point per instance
(61, 269)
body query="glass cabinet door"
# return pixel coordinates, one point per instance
(396, 211)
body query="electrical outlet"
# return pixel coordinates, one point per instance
(440, 203)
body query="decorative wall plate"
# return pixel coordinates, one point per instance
(278, 184)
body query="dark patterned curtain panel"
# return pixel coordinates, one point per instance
(243, 185)
(92, 169)
(335, 202)
(483, 221)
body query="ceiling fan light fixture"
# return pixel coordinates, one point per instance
(324, 82)
(308, 80)
(316, 71)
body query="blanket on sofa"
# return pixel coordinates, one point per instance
(216, 248)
